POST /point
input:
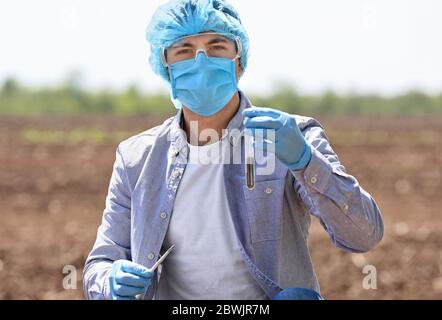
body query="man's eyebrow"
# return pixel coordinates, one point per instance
(190, 45)
(218, 40)
(182, 45)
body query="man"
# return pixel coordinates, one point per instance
(177, 183)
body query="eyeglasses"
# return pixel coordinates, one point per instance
(216, 45)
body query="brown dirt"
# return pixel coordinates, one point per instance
(52, 197)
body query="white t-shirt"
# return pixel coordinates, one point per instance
(206, 262)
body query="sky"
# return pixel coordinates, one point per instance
(384, 47)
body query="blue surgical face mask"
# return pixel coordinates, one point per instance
(204, 85)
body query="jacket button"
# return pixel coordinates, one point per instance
(150, 256)
(313, 179)
(268, 190)
(175, 173)
(174, 151)
(163, 215)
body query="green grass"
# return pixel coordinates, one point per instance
(337, 136)
(73, 137)
(384, 138)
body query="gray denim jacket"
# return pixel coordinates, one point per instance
(271, 221)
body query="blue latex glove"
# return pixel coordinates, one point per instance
(128, 279)
(291, 148)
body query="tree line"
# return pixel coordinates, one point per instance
(70, 99)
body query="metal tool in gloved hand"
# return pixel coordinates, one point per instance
(129, 280)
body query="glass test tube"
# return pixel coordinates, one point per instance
(249, 156)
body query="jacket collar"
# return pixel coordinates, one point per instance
(177, 136)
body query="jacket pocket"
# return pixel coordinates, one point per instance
(264, 209)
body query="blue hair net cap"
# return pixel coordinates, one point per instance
(181, 18)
